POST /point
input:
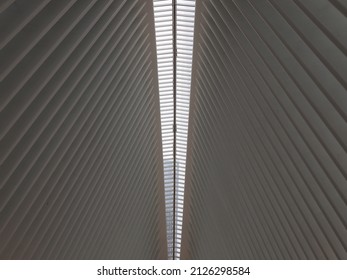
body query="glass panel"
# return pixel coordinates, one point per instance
(185, 13)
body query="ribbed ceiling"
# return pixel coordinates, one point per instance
(81, 148)
(267, 162)
(81, 170)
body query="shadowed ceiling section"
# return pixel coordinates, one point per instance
(81, 173)
(266, 162)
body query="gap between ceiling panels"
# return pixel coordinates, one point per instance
(174, 29)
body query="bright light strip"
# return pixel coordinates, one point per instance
(164, 39)
(185, 12)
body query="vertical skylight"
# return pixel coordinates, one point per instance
(185, 33)
(164, 38)
(163, 14)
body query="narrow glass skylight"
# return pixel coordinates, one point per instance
(163, 14)
(164, 40)
(185, 33)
